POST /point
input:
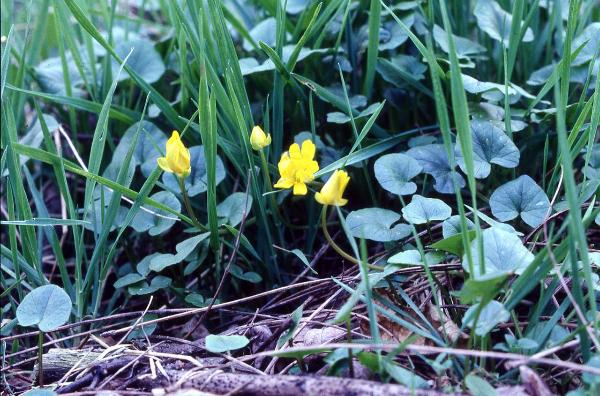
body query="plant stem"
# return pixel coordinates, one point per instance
(335, 247)
(188, 205)
(350, 357)
(40, 358)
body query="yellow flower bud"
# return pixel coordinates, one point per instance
(177, 159)
(332, 191)
(259, 139)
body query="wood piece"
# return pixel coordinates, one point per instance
(221, 383)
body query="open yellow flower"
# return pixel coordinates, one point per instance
(332, 191)
(297, 167)
(259, 139)
(177, 159)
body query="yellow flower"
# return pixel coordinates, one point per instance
(332, 191)
(259, 139)
(297, 167)
(177, 160)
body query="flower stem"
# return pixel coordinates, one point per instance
(335, 247)
(188, 205)
(40, 358)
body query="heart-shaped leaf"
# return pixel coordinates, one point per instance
(465, 48)
(407, 257)
(434, 160)
(493, 20)
(490, 146)
(47, 307)
(520, 197)
(483, 288)
(232, 209)
(160, 222)
(491, 314)
(184, 249)
(225, 343)
(453, 244)
(51, 78)
(376, 224)
(479, 387)
(146, 152)
(451, 226)
(394, 171)
(423, 210)
(144, 60)
(503, 254)
(590, 36)
(142, 288)
(196, 182)
(128, 280)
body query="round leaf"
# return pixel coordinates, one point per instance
(393, 172)
(490, 146)
(434, 160)
(493, 20)
(503, 254)
(376, 224)
(158, 223)
(520, 197)
(183, 248)
(451, 226)
(423, 210)
(46, 307)
(233, 207)
(225, 343)
(408, 257)
(196, 182)
(492, 314)
(144, 60)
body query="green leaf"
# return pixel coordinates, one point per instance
(407, 257)
(491, 315)
(490, 146)
(434, 160)
(451, 226)
(249, 276)
(289, 332)
(183, 249)
(493, 20)
(590, 36)
(404, 376)
(376, 224)
(520, 197)
(158, 222)
(47, 307)
(144, 60)
(484, 288)
(465, 48)
(504, 253)
(45, 222)
(453, 244)
(394, 171)
(225, 343)
(158, 282)
(423, 210)
(479, 387)
(128, 280)
(232, 209)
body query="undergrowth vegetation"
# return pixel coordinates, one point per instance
(432, 165)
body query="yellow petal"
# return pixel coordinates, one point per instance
(308, 150)
(300, 189)
(295, 152)
(284, 183)
(164, 165)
